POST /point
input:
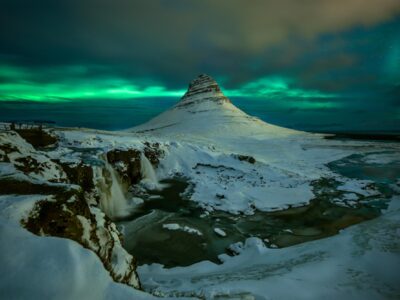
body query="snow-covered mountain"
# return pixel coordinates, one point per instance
(204, 110)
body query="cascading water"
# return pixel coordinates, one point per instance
(112, 196)
(148, 173)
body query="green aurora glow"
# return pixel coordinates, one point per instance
(19, 84)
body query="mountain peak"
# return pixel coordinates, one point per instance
(201, 83)
(203, 88)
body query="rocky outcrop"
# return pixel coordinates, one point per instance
(127, 161)
(38, 137)
(5, 149)
(22, 156)
(248, 158)
(153, 153)
(203, 88)
(10, 185)
(28, 164)
(80, 174)
(202, 84)
(69, 216)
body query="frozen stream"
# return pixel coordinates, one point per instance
(152, 233)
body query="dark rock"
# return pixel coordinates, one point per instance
(81, 174)
(28, 164)
(55, 218)
(7, 148)
(37, 137)
(205, 86)
(126, 163)
(249, 159)
(220, 196)
(153, 153)
(14, 186)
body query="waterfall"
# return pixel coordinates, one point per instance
(112, 196)
(148, 173)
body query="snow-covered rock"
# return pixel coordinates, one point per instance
(27, 160)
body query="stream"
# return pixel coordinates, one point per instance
(148, 239)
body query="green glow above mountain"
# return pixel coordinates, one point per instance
(72, 83)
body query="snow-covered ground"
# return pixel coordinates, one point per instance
(362, 262)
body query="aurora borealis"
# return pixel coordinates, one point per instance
(328, 65)
(22, 86)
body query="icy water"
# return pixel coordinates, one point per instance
(150, 242)
(380, 167)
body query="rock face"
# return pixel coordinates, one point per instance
(69, 216)
(37, 137)
(127, 161)
(203, 88)
(80, 174)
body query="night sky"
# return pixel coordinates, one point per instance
(318, 65)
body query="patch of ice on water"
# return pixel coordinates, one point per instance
(175, 226)
(220, 232)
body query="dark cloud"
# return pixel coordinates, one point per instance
(174, 40)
